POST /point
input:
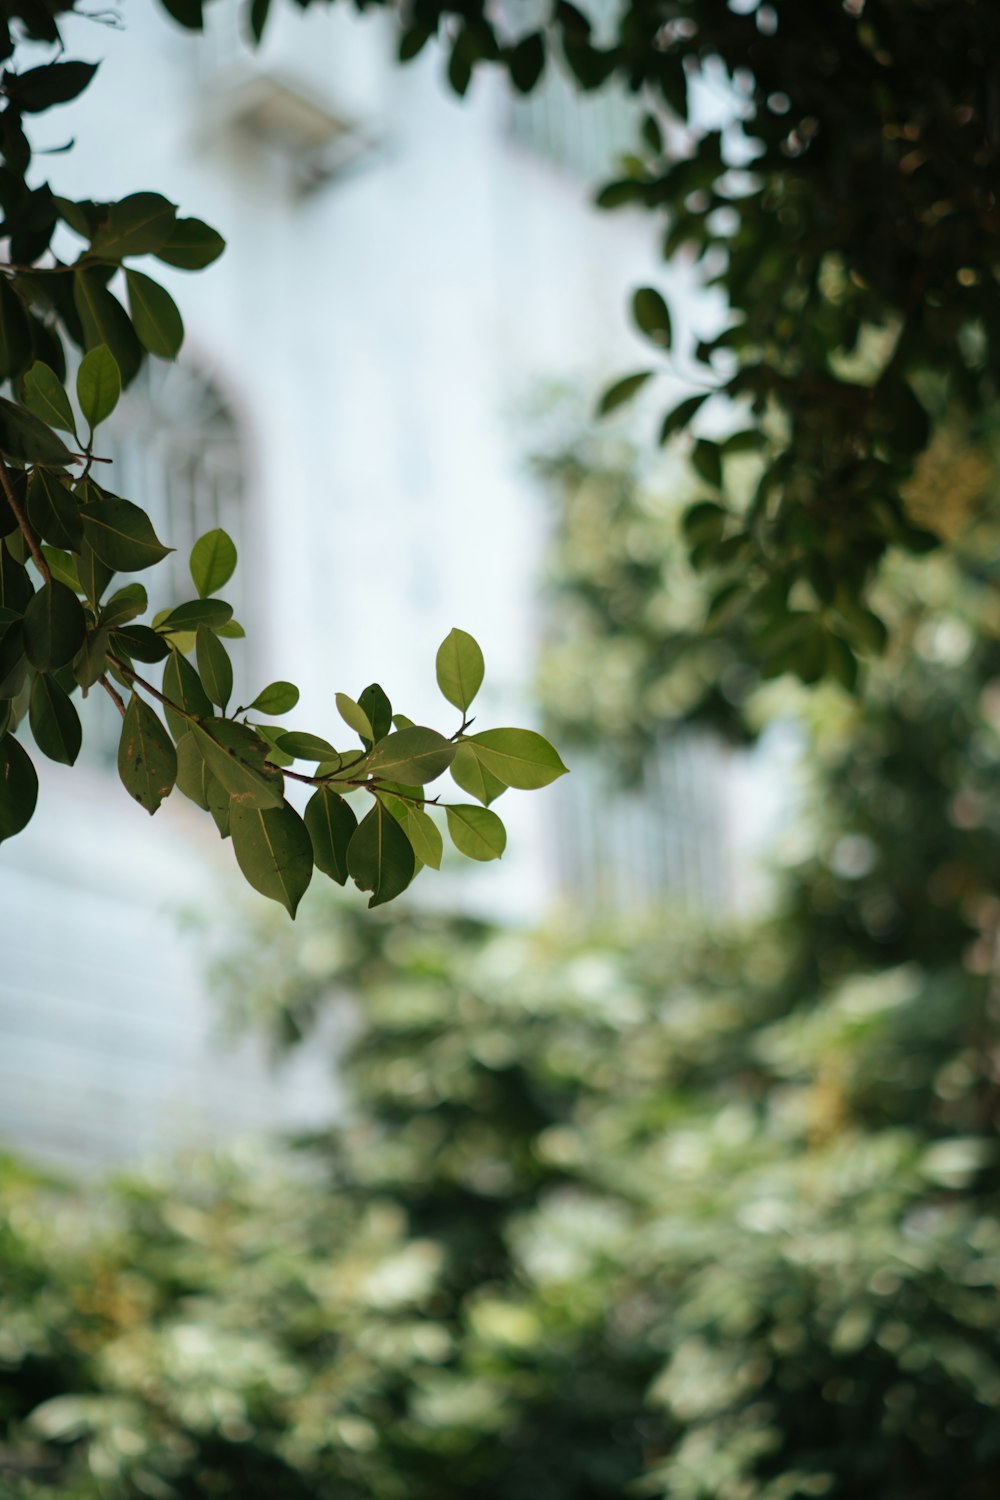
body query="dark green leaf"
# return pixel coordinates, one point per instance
(623, 390)
(476, 832)
(380, 857)
(518, 757)
(213, 562)
(377, 709)
(105, 321)
(525, 63)
(54, 511)
(139, 643)
(46, 398)
(681, 415)
(191, 245)
(274, 851)
(414, 756)
(354, 717)
(62, 565)
(54, 721)
(154, 315)
(124, 605)
(652, 316)
(331, 824)
(54, 627)
(122, 535)
(139, 225)
(13, 662)
(460, 668)
(193, 775)
(421, 830)
(214, 667)
(227, 759)
(54, 83)
(15, 338)
(24, 437)
(98, 385)
(210, 612)
(305, 746)
(18, 787)
(91, 661)
(147, 760)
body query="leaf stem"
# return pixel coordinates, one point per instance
(22, 521)
(113, 694)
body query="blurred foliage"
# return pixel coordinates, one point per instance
(661, 1213)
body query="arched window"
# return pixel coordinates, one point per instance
(176, 449)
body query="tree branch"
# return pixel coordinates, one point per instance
(22, 521)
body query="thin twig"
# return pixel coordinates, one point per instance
(22, 521)
(113, 694)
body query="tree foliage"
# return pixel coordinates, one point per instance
(66, 541)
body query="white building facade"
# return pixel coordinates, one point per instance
(404, 272)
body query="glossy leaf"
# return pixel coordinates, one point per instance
(140, 643)
(122, 535)
(460, 668)
(54, 511)
(183, 687)
(414, 756)
(46, 398)
(105, 321)
(214, 667)
(374, 703)
(468, 772)
(421, 830)
(476, 832)
(26, 438)
(193, 775)
(331, 823)
(274, 851)
(306, 746)
(18, 787)
(276, 698)
(191, 245)
(228, 763)
(518, 757)
(147, 760)
(138, 225)
(54, 721)
(98, 385)
(125, 604)
(213, 562)
(380, 857)
(355, 717)
(54, 627)
(15, 337)
(189, 616)
(154, 315)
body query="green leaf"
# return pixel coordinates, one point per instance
(305, 746)
(13, 662)
(468, 772)
(62, 565)
(122, 535)
(227, 759)
(54, 627)
(18, 787)
(191, 245)
(331, 824)
(147, 760)
(460, 668)
(706, 457)
(54, 511)
(105, 321)
(188, 13)
(15, 337)
(681, 415)
(525, 62)
(518, 757)
(94, 574)
(214, 667)
(15, 585)
(192, 772)
(421, 830)
(258, 17)
(414, 756)
(276, 698)
(374, 703)
(652, 316)
(380, 857)
(183, 687)
(24, 437)
(139, 642)
(623, 390)
(45, 397)
(274, 851)
(38, 89)
(98, 385)
(124, 605)
(154, 315)
(187, 617)
(355, 717)
(213, 561)
(139, 225)
(54, 721)
(91, 661)
(476, 832)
